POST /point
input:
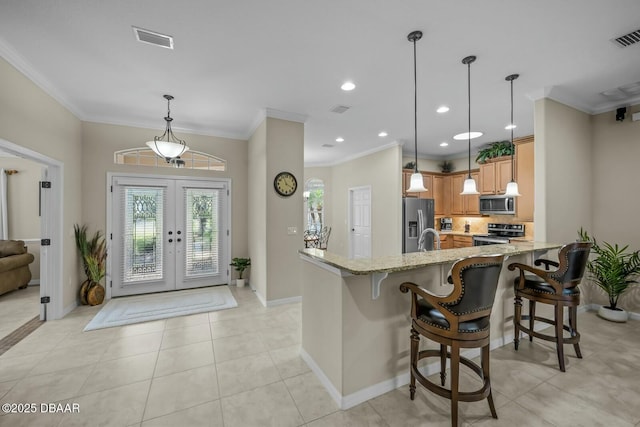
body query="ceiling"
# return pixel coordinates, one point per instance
(235, 60)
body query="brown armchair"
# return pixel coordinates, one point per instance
(14, 265)
(557, 287)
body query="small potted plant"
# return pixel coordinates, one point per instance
(494, 150)
(93, 251)
(240, 265)
(446, 166)
(614, 270)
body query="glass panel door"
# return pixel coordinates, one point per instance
(168, 234)
(141, 255)
(203, 259)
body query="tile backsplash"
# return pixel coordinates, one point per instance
(478, 225)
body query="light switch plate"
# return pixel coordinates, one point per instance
(292, 231)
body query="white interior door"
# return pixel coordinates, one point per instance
(168, 234)
(360, 222)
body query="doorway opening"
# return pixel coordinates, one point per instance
(360, 222)
(51, 220)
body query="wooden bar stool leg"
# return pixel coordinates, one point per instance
(517, 316)
(559, 338)
(487, 378)
(415, 344)
(455, 379)
(573, 324)
(532, 318)
(443, 364)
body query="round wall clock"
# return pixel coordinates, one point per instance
(285, 184)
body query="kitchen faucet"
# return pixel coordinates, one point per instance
(423, 239)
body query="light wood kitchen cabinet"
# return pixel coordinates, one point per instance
(464, 205)
(494, 176)
(427, 181)
(446, 241)
(525, 178)
(442, 194)
(462, 241)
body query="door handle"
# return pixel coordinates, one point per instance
(178, 240)
(170, 240)
(353, 229)
(170, 233)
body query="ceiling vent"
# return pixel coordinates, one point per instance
(339, 109)
(151, 37)
(327, 145)
(628, 39)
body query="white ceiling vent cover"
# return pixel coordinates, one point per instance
(151, 37)
(339, 109)
(628, 39)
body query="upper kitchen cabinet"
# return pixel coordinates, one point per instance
(442, 194)
(427, 180)
(525, 177)
(495, 174)
(464, 205)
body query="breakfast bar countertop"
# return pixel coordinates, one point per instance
(410, 261)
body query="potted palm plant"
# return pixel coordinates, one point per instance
(240, 265)
(93, 251)
(614, 270)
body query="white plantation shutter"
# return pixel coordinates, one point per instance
(202, 231)
(142, 217)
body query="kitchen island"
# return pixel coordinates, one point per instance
(355, 320)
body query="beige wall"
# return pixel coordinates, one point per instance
(31, 118)
(563, 172)
(460, 164)
(101, 140)
(615, 207)
(22, 206)
(382, 171)
(285, 152)
(257, 218)
(276, 146)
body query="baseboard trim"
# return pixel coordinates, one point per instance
(276, 302)
(34, 282)
(68, 309)
(595, 307)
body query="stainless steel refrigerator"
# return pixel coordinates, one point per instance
(417, 215)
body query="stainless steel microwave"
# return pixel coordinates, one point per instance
(497, 205)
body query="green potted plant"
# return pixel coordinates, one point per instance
(613, 270)
(493, 150)
(446, 166)
(93, 252)
(240, 265)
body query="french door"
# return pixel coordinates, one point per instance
(168, 234)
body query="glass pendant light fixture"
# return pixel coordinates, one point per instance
(417, 183)
(469, 183)
(512, 186)
(172, 147)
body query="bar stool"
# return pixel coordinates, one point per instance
(458, 320)
(556, 287)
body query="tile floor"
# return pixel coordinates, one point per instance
(17, 308)
(240, 367)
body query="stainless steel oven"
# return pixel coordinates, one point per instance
(488, 240)
(498, 234)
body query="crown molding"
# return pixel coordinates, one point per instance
(354, 156)
(22, 65)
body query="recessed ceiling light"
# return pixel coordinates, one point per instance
(382, 134)
(347, 86)
(467, 135)
(339, 139)
(508, 127)
(442, 109)
(444, 144)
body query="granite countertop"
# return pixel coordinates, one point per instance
(393, 263)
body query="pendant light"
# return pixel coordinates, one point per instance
(512, 186)
(171, 148)
(469, 183)
(417, 183)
